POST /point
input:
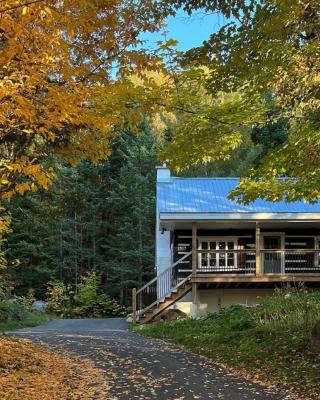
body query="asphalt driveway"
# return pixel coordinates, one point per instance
(143, 368)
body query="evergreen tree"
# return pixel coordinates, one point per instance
(131, 202)
(93, 218)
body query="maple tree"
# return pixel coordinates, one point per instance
(4, 227)
(58, 88)
(266, 46)
(202, 126)
(54, 57)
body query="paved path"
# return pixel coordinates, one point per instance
(142, 368)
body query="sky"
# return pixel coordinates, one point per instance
(189, 31)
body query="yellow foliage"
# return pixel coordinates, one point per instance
(29, 372)
(4, 227)
(203, 127)
(54, 57)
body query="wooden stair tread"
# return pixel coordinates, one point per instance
(176, 295)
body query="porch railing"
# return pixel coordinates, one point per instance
(290, 261)
(273, 261)
(236, 261)
(160, 287)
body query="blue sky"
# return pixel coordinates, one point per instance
(189, 31)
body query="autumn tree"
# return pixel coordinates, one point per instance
(4, 227)
(54, 56)
(200, 127)
(267, 46)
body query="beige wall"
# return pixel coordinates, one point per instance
(213, 299)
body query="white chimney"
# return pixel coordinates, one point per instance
(163, 173)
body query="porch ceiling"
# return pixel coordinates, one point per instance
(265, 225)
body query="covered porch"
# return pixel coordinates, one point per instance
(210, 247)
(228, 261)
(277, 250)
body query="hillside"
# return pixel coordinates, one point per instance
(269, 343)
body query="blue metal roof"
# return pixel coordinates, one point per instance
(210, 195)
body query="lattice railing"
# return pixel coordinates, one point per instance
(227, 262)
(305, 261)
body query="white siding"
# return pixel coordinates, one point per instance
(163, 251)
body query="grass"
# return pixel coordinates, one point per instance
(32, 319)
(268, 343)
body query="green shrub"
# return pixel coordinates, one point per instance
(27, 300)
(103, 307)
(89, 303)
(289, 308)
(87, 296)
(236, 317)
(58, 300)
(2, 286)
(11, 310)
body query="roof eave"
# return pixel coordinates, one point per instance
(239, 216)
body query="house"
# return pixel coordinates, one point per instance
(212, 252)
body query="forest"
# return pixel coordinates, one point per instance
(94, 94)
(92, 219)
(87, 115)
(101, 218)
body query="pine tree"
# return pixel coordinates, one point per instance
(131, 200)
(93, 218)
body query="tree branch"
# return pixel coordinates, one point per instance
(28, 3)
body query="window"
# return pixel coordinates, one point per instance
(220, 260)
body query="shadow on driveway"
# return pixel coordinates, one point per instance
(141, 368)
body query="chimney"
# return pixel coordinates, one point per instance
(163, 173)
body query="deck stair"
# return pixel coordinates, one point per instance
(161, 292)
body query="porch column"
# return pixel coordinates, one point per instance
(194, 249)
(258, 252)
(194, 305)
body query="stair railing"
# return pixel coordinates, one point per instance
(157, 289)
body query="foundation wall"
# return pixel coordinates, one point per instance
(212, 300)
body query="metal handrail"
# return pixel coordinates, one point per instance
(139, 312)
(160, 287)
(156, 278)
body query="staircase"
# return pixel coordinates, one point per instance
(160, 293)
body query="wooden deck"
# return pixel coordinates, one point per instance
(204, 278)
(217, 281)
(226, 268)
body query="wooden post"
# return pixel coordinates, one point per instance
(258, 252)
(194, 261)
(134, 305)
